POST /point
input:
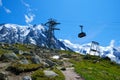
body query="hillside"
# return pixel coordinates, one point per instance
(94, 68)
(20, 61)
(97, 69)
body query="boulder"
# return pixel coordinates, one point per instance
(3, 76)
(49, 62)
(25, 53)
(20, 52)
(27, 78)
(49, 73)
(45, 64)
(9, 56)
(36, 59)
(24, 61)
(56, 57)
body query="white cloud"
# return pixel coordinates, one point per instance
(0, 2)
(25, 4)
(112, 43)
(29, 18)
(7, 10)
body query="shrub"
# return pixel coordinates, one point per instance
(91, 57)
(106, 58)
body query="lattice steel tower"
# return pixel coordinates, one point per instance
(51, 27)
(95, 48)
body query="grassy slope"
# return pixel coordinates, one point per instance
(86, 67)
(100, 70)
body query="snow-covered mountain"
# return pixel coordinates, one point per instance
(32, 34)
(37, 34)
(109, 51)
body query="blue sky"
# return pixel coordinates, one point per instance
(100, 18)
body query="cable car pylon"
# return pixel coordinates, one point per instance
(94, 49)
(51, 27)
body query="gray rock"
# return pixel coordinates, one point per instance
(49, 73)
(56, 57)
(20, 52)
(24, 61)
(36, 59)
(3, 76)
(9, 56)
(50, 63)
(26, 53)
(45, 64)
(27, 78)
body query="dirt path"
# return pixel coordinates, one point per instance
(71, 75)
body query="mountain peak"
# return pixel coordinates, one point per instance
(31, 34)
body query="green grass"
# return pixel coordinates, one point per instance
(22, 47)
(100, 70)
(38, 75)
(60, 74)
(2, 51)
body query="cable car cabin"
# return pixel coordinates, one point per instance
(82, 34)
